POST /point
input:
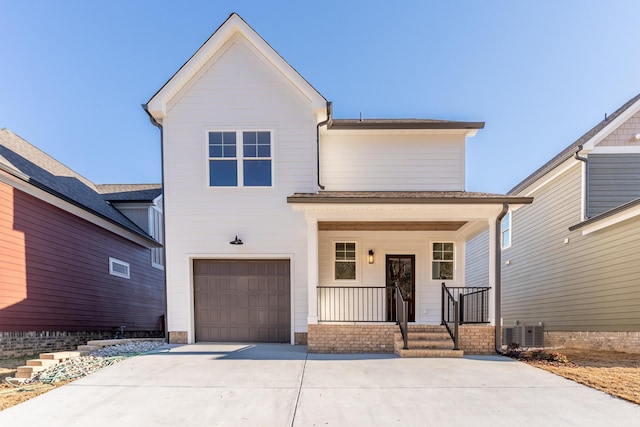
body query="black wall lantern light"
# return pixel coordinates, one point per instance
(371, 256)
(236, 241)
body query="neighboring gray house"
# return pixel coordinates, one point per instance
(571, 260)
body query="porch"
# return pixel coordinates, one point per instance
(359, 244)
(374, 319)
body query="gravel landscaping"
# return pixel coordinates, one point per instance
(13, 392)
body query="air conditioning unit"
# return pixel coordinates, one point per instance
(507, 336)
(524, 335)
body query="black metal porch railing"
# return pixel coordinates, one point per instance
(402, 314)
(462, 305)
(474, 303)
(354, 304)
(450, 315)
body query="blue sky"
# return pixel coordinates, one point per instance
(539, 73)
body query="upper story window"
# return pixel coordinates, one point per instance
(505, 231)
(345, 261)
(247, 166)
(442, 259)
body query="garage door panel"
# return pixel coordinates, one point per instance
(242, 300)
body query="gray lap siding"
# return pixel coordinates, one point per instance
(586, 283)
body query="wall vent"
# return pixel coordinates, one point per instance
(119, 268)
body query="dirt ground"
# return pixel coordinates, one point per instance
(615, 373)
(10, 395)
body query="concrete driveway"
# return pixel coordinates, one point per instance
(282, 385)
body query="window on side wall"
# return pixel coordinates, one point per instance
(345, 261)
(505, 231)
(442, 261)
(249, 165)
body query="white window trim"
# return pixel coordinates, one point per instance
(113, 272)
(156, 233)
(239, 158)
(509, 228)
(357, 261)
(455, 261)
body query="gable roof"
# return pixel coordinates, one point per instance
(594, 134)
(129, 192)
(156, 107)
(33, 166)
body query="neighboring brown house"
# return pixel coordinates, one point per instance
(72, 266)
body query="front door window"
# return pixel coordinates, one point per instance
(401, 273)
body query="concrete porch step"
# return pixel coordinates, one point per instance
(422, 352)
(426, 341)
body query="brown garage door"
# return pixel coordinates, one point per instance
(242, 300)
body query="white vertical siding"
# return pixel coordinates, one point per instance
(381, 162)
(237, 90)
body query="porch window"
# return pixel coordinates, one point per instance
(505, 231)
(345, 261)
(442, 261)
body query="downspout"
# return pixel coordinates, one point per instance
(498, 278)
(586, 181)
(164, 213)
(322, 123)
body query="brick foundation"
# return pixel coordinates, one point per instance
(378, 338)
(177, 337)
(352, 338)
(300, 338)
(628, 342)
(477, 339)
(17, 344)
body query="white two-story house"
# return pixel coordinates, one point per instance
(285, 224)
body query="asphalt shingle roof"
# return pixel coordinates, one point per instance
(20, 158)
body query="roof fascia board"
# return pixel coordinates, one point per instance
(47, 197)
(549, 177)
(401, 131)
(157, 105)
(407, 201)
(607, 219)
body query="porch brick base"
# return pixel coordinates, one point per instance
(326, 338)
(177, 337)
(477, 339)
(627, 342)
(363, 338)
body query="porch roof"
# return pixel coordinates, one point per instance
(407, 197)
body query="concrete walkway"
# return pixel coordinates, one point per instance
(282, 385)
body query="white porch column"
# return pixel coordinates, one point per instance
(492, 271)
(312, 270)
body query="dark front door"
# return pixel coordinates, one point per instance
(401, 272)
